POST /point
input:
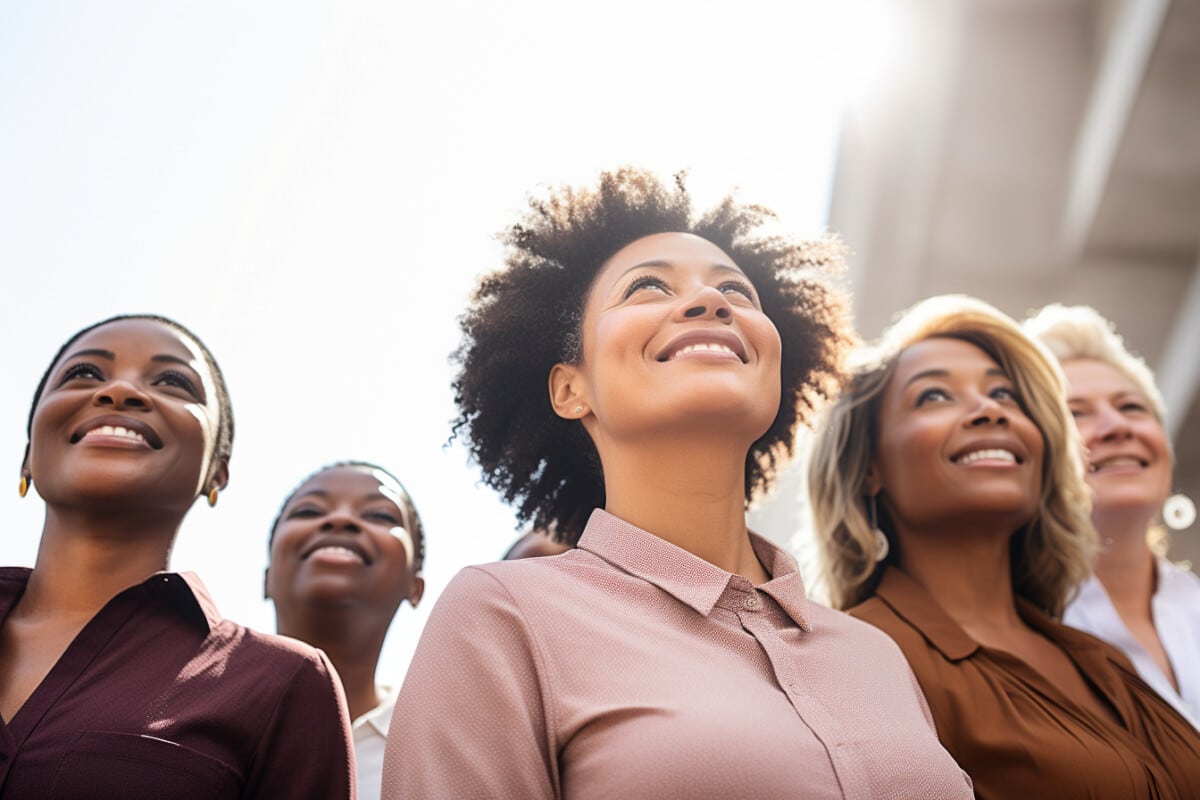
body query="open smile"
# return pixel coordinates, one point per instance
(707, 344)
(118, 431)
(987, 456)
(339, 552)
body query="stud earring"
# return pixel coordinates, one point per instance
(578, 409)
(212, 497)
(23, 488)
(1179, 512)
(882, 546)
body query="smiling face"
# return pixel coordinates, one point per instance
(953, 440)
(344, 539)
(128, 413)
(673, 333)
(1129, 458)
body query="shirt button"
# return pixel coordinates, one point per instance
(751, 602)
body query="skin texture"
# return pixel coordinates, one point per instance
(1129, 472)
(341, 565)
(113, 505)
(672, 429)
(953, 521)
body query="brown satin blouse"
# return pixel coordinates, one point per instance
(1013, 732)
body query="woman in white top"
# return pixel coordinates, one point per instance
(1139, 601)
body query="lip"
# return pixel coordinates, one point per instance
(725, 338)
(119, 420)
(337, 541)
(1011, 445)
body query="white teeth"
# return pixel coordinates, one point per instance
(702, 346)
(341, 551)
(116, 430)
(1117, 461)
(990, 455)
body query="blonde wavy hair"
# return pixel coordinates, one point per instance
(1050, 554)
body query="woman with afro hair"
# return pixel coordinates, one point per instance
(630, 381)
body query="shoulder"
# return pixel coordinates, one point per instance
(267, 653)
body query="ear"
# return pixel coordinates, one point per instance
(568, 395)
(219, 478)
(873, 483)
(25, 470)
(267, 584)
(417, 591)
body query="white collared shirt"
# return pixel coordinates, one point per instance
(1176, 611)
(370, 738)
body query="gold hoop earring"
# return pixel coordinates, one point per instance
(212, 497)
(23, 489)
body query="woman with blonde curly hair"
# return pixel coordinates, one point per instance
(951, 513)
(1137, 600)
(629, 381)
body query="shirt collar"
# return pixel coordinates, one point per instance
(378, 718)
(686, 577)
(186, 588)
(914, 605)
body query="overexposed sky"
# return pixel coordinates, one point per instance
(314, 187)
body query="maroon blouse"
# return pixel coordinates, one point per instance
(158, 696)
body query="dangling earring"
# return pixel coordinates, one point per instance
(212, 497)
(23, 489)
(881, 541)
(1179, 512)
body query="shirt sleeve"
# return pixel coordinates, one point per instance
(470, 720)
(306, 752)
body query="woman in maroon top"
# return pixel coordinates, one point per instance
(951, 510)
(117, 678)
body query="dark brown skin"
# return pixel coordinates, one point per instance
(113, 503)
(673, 432)
(535, 545)
(954, 519)
(341, 565)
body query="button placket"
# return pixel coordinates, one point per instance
(751, 602)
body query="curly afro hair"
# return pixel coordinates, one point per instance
(526, 317)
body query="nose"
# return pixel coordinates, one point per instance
(121, 394)
(707, 303)
(988, 412)
(1109, 424)
(341, 519)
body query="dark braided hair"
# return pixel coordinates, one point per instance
(418, 532)
(526, 317)
(224, 443)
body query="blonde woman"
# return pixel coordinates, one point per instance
(1142, 603)
(951, 513)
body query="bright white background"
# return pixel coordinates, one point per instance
(313, 188)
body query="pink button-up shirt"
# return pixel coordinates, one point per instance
(631, 668)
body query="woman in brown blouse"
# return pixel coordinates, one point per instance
(951, 512)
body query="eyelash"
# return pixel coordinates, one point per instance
(169, 377)
(928, 394)
(650, 281)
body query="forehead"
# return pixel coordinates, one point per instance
(135, 338)
(352, 482)
(1090, 377)
(943, 354)
(682, 249)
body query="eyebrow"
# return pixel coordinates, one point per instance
(943, 373)
(170, 359)
(95, 351)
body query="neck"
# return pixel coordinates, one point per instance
(967, 570)
(687, 493)
(1125, 565)
(84, 559)
(352, 637)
